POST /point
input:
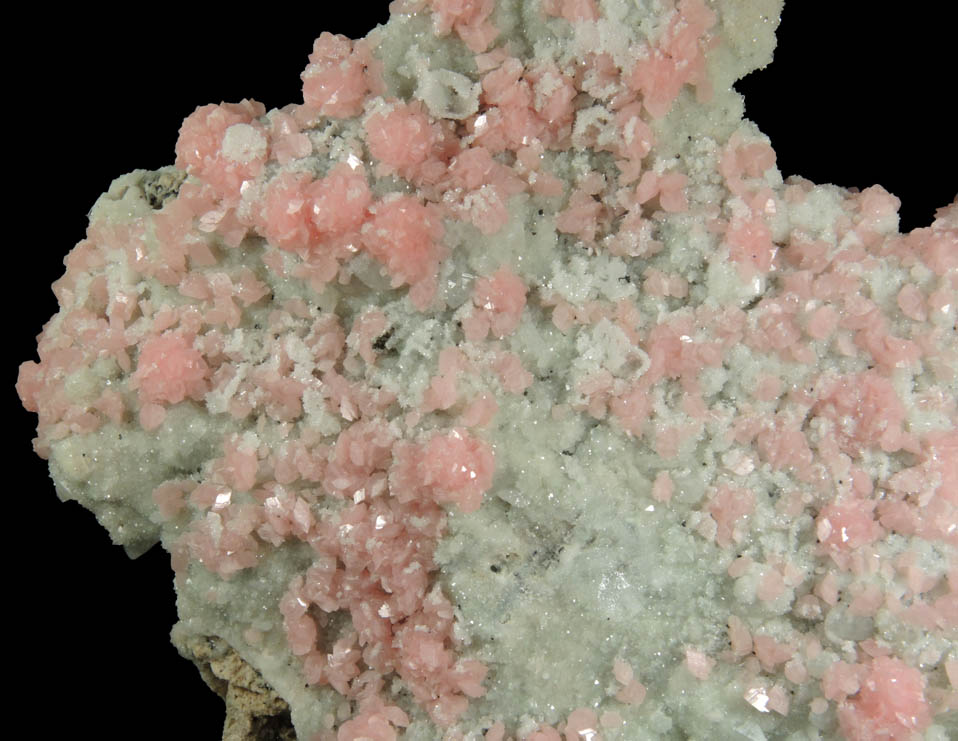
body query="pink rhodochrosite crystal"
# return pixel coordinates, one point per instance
(501, 387)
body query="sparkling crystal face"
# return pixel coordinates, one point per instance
(508, 385)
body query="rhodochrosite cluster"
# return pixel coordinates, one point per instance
(512, 328)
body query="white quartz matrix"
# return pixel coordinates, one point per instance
(503, 389)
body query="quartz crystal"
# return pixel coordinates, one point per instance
(505, 386)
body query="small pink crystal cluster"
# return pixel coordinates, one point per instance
(370, 499)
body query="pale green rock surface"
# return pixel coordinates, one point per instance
(570, 563)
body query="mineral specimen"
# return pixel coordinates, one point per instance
(504, 388)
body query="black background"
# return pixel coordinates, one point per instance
(853, 100)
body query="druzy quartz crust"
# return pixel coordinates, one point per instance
(503, 388)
